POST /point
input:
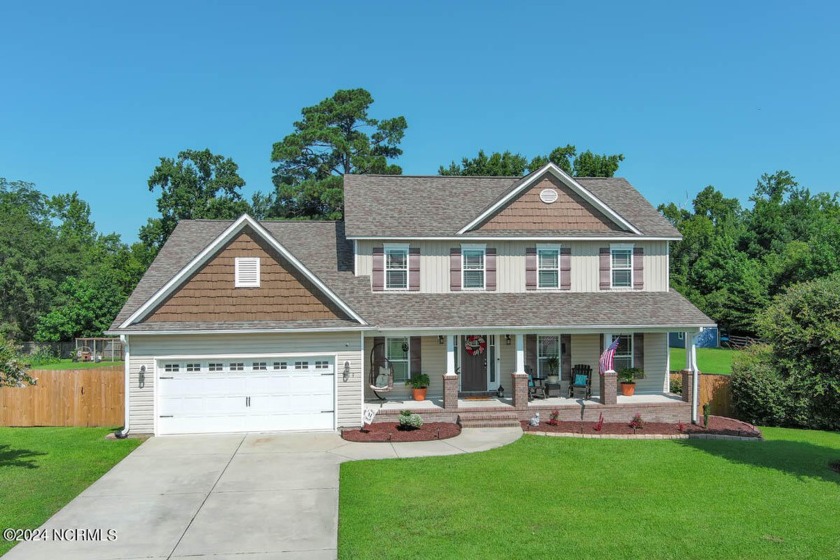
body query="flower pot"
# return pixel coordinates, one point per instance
(628, 389)
(553, 379)
(419, 394)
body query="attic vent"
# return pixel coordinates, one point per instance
(548, 196)
(247, 272)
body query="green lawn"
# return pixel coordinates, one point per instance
(42, 469)
(709, 360)
(70, 364)
(545, 497)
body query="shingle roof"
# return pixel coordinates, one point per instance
(324, 250)
(439, 206)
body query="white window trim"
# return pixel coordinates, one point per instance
(407, 340)
(237, 282)
(475, 247)
(387, 247)
(621, 247)
(548, 247)
(559, 354)
(608, 339)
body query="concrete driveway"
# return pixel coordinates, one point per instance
(225, 497)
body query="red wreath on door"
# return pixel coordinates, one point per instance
(475, 345)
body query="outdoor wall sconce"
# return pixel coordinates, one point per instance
(441, 339)
(507, 339)
(141, 378)
(346, 375)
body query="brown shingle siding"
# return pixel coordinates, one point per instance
(210, 296)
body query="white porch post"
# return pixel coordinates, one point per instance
(686, 340)
(520, 353)
(450, 353)
(695, 396)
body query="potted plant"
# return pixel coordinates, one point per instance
(418, 382)
(553, 363)
(628, 377)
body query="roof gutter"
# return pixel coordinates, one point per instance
(242, 331)
(510, 238)
(122, 434)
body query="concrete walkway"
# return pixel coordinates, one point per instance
(225, 497)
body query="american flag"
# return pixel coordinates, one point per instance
(606, 361)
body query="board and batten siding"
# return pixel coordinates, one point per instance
(346, 346)
(510, 263)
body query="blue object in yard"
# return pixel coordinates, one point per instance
(709, 338)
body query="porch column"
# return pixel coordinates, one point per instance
(609, 387)
(695, 390)
(519, 378)
(450, 378)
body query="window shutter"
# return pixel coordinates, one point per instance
(414, 269)
(639, 350)
(490, 269)
(378, 274)
(415, 364)
(566, 357)
(531, 268)
(565, 268)
(378, 349)
(604, 260)
(638, 268)
(455, 269)
(247, 272)
(531, 352)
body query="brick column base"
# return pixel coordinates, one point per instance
(520, 390)
(609, 387)
(687, 385)
(450, 391)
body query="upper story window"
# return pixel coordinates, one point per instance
(473, 267)
(548, 266)
(621, 266)
(247, 272)
(396, 267)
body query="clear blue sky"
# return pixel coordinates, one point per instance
(693, 94)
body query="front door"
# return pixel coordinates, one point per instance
(474, 363)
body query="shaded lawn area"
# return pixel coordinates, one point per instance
(42, 469)
(709, 360)
(546, 497)
(70, 364)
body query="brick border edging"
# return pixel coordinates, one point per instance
(644, 436)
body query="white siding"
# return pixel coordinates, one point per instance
(510, 264)
(655, 364)
(346, 347)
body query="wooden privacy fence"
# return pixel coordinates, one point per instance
(73, 397)
(716, 390)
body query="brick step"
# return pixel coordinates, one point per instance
(489, 419)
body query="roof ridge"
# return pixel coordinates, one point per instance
(439, 176)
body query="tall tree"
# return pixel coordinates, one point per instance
(334, 138)
(585, 164)
(198, 184)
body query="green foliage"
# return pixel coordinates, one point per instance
(760, 395)
(409, 420)
(630, 375)
(585, 164)
(13, 371)
(676, 385)
(198, 184)
(418, 381)
(334, 138)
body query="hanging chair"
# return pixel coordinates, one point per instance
(381, 371)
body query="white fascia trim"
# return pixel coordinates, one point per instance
(210, 250)
(522, 238)
(543, 329)
(569, 182)
(245, 331)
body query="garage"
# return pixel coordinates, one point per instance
(234, 394)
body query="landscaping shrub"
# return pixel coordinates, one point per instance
(676, 385)
(410, 421)
(759, 393)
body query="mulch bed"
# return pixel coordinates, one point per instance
(389, 432)
(718, 425)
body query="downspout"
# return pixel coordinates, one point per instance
(695, 377)
(127, 368)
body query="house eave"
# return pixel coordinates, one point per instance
(516, 238)
(170, 332)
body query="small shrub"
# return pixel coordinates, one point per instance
(676, 385)
(706, 410)
(409, 420)
(637, 423)
(553, 419)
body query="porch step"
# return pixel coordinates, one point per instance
(489, 419)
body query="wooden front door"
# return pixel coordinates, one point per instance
(474, 366)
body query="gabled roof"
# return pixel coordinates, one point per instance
(182, 255)
(400, 206)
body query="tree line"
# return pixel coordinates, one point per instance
(60, 278)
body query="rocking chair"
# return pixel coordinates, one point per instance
(381, 372)
(581, 381)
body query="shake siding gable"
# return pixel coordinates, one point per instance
(284, 294)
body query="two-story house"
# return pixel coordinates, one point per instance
(286, 325)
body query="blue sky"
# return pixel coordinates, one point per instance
(692, 94)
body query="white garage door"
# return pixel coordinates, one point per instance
(245, 395)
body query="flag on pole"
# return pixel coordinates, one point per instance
(606, 361)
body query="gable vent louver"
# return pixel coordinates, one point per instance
(247, 272)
